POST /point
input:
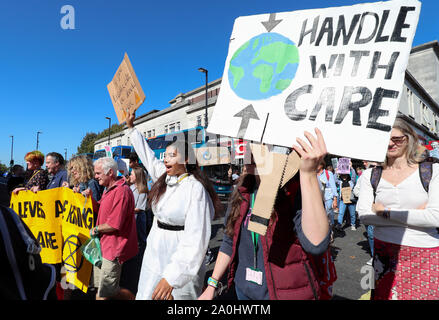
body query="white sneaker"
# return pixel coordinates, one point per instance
(369, 263)
(353, 228)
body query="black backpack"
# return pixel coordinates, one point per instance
(23, 276)
(425, 173)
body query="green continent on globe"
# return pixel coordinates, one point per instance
(279, 52)
(282, 84)
(238, 73)
(265, 73)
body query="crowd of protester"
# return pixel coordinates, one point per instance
(154, 241)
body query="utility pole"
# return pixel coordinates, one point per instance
(12, 152)
(38, 133)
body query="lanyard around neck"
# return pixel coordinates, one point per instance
(255, 236)
(185, 175)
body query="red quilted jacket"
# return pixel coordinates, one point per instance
(289, 273)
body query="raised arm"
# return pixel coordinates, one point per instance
(315, 223)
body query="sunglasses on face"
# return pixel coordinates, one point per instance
(398, 140)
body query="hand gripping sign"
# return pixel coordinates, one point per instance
(338, 69)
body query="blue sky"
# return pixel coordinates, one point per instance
(54, 80)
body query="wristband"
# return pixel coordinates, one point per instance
(212, 282)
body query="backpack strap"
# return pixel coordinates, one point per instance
(327, 175)
(375, 177)
(425, 173)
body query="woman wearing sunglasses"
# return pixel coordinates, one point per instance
(405, 216)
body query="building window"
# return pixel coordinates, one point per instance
(178, 126)
(128, 141)
(172, 127)
(198, 121)
(424, 115)
(119, 142)
(166, 129)
(411, 109)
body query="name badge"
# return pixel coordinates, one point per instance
(253, 275)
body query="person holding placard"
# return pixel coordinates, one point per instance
(55, 168)
(279, 264)
(184, 203)
(405, 213)
(35, 178)
(81, 176)
(347, 200)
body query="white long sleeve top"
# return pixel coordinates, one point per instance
(407, 225)
(176, 256)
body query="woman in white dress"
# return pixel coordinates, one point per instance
(183, 202)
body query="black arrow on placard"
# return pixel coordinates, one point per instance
(246, 114)
(271, 23)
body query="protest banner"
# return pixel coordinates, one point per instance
(77, 220)
(42, 214)
(125, 90)
(344, 166)
(60, 220)
(339, 69)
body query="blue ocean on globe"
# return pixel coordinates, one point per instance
(263, 67)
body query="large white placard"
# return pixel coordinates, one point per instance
(339, 69)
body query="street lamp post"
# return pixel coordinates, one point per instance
(38, 134)
(65, 154)
(205, 115)
(12, 152)
(109, 126)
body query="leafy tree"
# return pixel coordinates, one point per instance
(115, 128)
(3, 168)
(87, 143)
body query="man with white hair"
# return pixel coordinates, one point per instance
(116, 227)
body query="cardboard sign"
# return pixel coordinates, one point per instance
(125, 90)
(344, 166)
(346, 193)
(339, 69)
(208, 156)
(61, 221)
